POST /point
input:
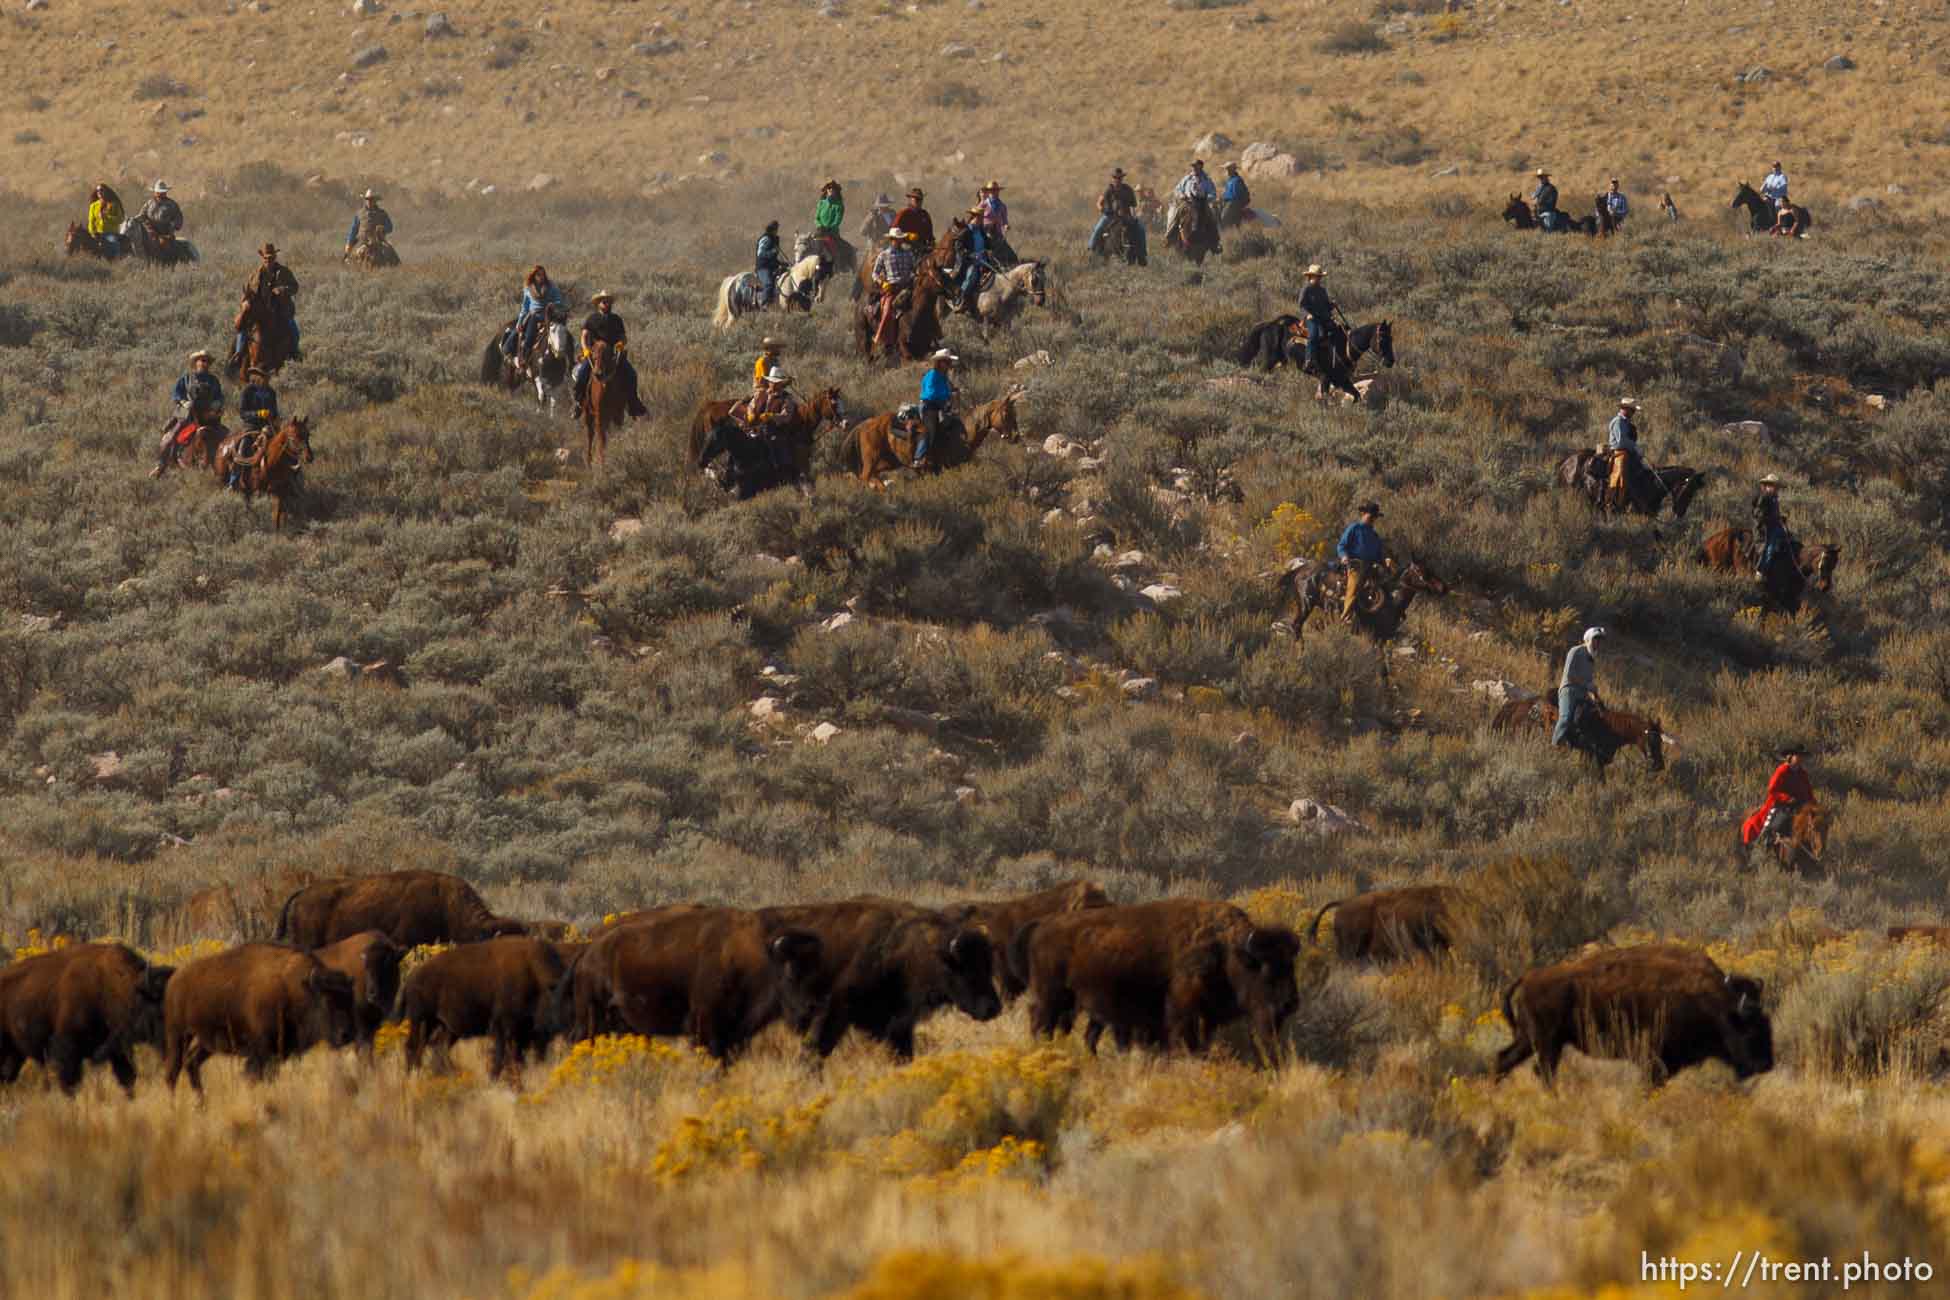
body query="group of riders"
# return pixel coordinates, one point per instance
(1616, 207)
(154, 227)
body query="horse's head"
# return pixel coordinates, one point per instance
(560, 342)
(1683, 492)
(1822, 571)
(1811, 829)
(801, 245)
(73, 241)
(1384, 343)
(599, 357)
(831, 406)
(1745, 196)
(1039, 282)
(1517, 210)
(1417, 577)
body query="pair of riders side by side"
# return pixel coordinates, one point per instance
(603, 325)
(197, 399)
(1117, 205)
(370, 224)
(1362, 558)
(1774, 188)
(273, 282)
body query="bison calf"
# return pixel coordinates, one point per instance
(1391, 924)
(1002, 919)
(261, 1001)
(1665, 1003)
(371, 961)
(1159, 974)
(88, 1002)
(409, 907)
(500, 989)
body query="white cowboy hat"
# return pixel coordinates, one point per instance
(777, 376)
(1315, 270)
(159, 188)
(767, 343)
(944, 355)
(1628, 403)
(368, 194)
(1543, 173)
(1770, 478)
(201, 354)
(1592, 634)
(604, 296)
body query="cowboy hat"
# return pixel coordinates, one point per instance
(777, 376)
(1592, 634)
(1369, 508)
(1770, 479)
(1628, 404)
(916, 193)
(1798, 751)
(944, 355)
(883, 202)
(159, 188)
(767, 343)
(831, 184)
(1117, 172)
(368, 194)
(268, 250)
(772, 225)
(604, 296)
(201, 354)
(1315, 271)
(256, 370)
(1232, 166)
(993, 187)
(1198, 163)
(1542, 172)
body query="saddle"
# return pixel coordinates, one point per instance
(907, 419)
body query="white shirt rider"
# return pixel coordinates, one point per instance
(1775, 188)
(1196, 183)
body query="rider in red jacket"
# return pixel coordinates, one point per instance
(1787, 790)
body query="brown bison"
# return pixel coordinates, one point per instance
(264, 1002)
(501, 989)
(882, 967)
(88, 1002)
(1392, 924)
(409, 907)
(714, 974)
(1002, 918)
(1159, 974)
(371, 961)
(1664, 1002)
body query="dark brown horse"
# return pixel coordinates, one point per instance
(80, 241)
(1379, 616)
(275, 468)
(1195, 234)
(914, 331)
(756, 462)
(267, 335)
(1588, 473)
(1604, 733)
(1519, 214)
(192, 447)
(879, 444)
(1731, 550)
(603, 404)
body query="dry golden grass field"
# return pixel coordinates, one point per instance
(471, 652)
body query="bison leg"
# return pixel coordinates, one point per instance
(64, 1055)
(1512, 1056)
(1093, 1033)
(193, 1063)
(124, 1069)
(416, 1043)
(900, 1037)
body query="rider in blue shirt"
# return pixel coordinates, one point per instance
(1360, 550)
(972, 246)
(538, 294)
(937, 393)
(1235, 198)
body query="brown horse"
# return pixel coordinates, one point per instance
(1605, 731)
(1589, 473)
(753, 461)
(199, 448)
(80, 241)
(275, 469)
(879, 445)
(603, 404)
(1731, 550)
(1806, 840)
(915, 330)
(267, 335)
(1379, 616)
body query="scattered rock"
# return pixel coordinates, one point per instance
(35, 5)
(716, 158)
(107, 765)
(767, 708)
(831, 9)
(824, 732)
(365, 8)
(1840, 63)
(1877, 402)
(1058, 445)
(342, 668)
(1040, 357)
(539, 181)
(369, 56)
(838, 621)
(1748, 429)
(1863, 203)
(625, 528)
(1501, 692)
(1130, 560)
(1160, 593)
(1322, 819)
(1051, 518)
(31, 623)
(438, 26)
(604, 74)
(1140, 688)
(967, 794)
(1211, 144)
(957, 50)
(1257, 151)
(1453, 169)
(1754, 75)
(1280, 164)
(651, 49)
(911, 720)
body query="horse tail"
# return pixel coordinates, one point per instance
(491, 362)
(723, 316)
(1313, 931)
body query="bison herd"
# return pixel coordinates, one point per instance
(1162, 975)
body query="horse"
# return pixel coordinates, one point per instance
(78, 240)
(841, 254)
(1585, 472)
(1607, 225)
(1518, 214)
(1604, 733)
(162, 247)
(194, 445)
(915, 330)
(754, 465)
(1283, 341)
(1195, 232)
(1731, 550)
(881, 443)
(545, 364)
(1117, 243)
(801, 286)
(372, 254)
(1763, 214)
(267, 335)
(602, 404)
(1379, 617)
(277, 468)
(1802, 846)
(1008, 292)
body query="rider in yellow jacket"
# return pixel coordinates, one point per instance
(105, 218)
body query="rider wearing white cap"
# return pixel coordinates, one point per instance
(1577, 688)
(937, 396)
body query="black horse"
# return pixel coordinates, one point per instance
(1764, 217)
(1518, 214)
(1283, 340)
(1588, 473)
(752, 464)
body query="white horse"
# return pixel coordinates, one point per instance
(1008, 292)
(552, 364)
(742, 294)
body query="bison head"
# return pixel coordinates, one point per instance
(146, 1015)
(969, 960)
(1263, 978)
(1751, 1043)
(329, 1018)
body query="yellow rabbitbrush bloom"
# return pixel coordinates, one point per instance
(624, 1061)
(633, 1279)
(958, 1102)
(1744, 1233)
(938, 1275)
(1292, 531)
(739, 1132)
(1019, 1162)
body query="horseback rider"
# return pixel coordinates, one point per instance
(1577, 688)
(1326, 340)
(937, 398)
(105, 219)
(763, 410)
(1192, 187)
(538, 294)
(1787, 221)
(971, 251)
(830, 211)
(915, 221)
(198, 395)
(1615, 204)
(1544, 200)
(605, 326)
(1118, 203)
(272, 281)
(879, 220)
(1360, 551)
(993, 218)
(370, 224)
(1774, 187)
(768, 360)
(160, 214)
(257, 409)
(1787, 790)
(1628, 472)
(767, 262)
(1770, 526)
(1234, 199)
(893, 276)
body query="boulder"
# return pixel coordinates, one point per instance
(767, 708)
(538, 182)
(1160, 593)
(1754, 75)
(1840, 63)
(1876, 402)
(31, 623)
(438, 26)
(651, 49)
(623, 529)
(370, 55)
(1035, 360)
(1129, 560)
(1257, 151)
(1140, 688)
(1211, 144)
(838, 621)
(107, 765)
(1279, 165)
(342, 668)
(365, 8)
(1501, 692)
(1322, 819)
(824, 732)
(1863, 203)
(967, 794)
(1748, 429)
(1058, 445)
(957, 50)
